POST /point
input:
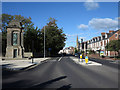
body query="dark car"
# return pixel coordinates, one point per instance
(64, 54)
(76, 54)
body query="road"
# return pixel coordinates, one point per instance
(63, 72)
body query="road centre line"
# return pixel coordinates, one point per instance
(60, 58)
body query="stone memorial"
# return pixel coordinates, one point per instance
(15, 47)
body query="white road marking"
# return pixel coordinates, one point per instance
(83, 63)
(60, 58)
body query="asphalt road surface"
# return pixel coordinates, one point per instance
(63, 72)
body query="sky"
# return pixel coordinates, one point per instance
(85, 19)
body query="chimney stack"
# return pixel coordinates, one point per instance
(111, 31)
(103, 33)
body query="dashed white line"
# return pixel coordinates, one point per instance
(60, 58)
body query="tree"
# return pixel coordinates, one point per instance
(113, 46)
(32, 39)
(6, 18)
(54, 37)
(76, 51)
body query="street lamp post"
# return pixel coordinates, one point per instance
(44, 41)
(32, 50)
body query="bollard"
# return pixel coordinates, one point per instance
(86, 59)
(81, 57)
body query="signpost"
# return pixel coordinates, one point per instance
(44, 41)
(49, 50)
(32, 57)
(86, 59)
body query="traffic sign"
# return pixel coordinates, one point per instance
(86, 59)
(101, 53)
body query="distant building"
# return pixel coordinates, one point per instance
(61, 51)
(67, 50)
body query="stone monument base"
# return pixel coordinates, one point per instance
(14, 52)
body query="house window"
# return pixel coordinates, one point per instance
(106, 36)
(103, 37)
(99, 38)
(115, 35)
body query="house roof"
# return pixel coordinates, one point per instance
(110, 34)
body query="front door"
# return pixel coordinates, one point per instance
(15, 53)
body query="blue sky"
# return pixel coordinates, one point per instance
(85, 19)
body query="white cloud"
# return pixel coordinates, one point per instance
(83, 26)
(91, 5)
(117, 18)
(103, 23)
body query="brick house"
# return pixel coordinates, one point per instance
(99, 43)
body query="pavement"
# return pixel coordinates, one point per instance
(64, 72)
(21, 64)
(109, 59)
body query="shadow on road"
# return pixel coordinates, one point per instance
(43, 85)
(66, 87)
(15, 85)
(22, 84)
(6, 73)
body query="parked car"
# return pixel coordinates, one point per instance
(76, 54)
(64, 54)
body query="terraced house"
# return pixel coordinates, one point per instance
(99, 43)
